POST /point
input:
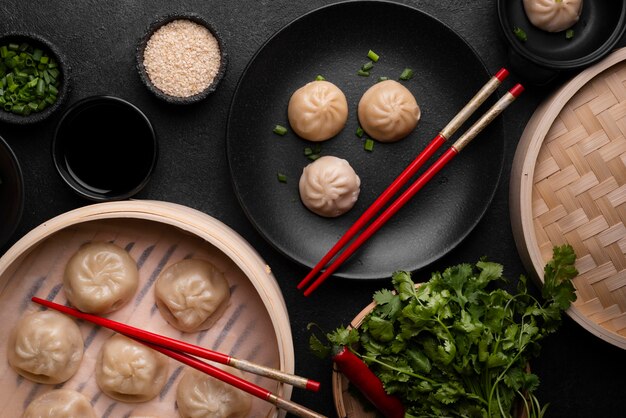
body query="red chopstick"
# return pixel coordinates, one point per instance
(448, 155)
(179, 350)
(173, 344)
(456, 122)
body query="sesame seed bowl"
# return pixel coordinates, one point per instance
(181, 58)
(34, 78)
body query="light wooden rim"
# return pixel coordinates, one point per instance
(197, 223)
(521, 182)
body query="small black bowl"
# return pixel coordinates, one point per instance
(64, 89)
(11, 192)
(141, 69)
(105, 148)
(544, 55)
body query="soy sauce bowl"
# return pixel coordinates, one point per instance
(105, 148)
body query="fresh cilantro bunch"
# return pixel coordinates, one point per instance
(458, 346)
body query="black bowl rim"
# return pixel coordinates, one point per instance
(20, 183)
(573, 64)
(59, 164)
(141, 69)
(65, 82)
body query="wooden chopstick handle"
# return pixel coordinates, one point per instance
(275, 374)
(474, 103)
(294, 408)
(488, 117)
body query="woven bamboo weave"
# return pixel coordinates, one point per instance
(579, 194)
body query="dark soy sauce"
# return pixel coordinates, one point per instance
(108, 147)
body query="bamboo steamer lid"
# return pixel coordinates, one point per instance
(568, 185)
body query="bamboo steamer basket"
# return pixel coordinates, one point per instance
(255, 326)
(568, 186)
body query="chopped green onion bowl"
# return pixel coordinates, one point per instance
(29, 79)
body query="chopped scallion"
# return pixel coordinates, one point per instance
(313, 157)
(569, 34)
(280, 130)
(520, 34)
(373, 56)
(363, 73)
(308, 151)
(368, 145)
(407, 74)
(359, 132)
(367, 66)
(383, 79)
(281, 177)
(319, 78)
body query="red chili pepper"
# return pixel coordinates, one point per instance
(367, 382)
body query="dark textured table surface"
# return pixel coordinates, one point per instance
(581, 375)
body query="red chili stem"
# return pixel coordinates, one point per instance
(357, 372)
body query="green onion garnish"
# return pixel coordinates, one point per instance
(319, 78)
(280, 130)
(308, 151)
(520, 34)
(359, 132)
(569, 34)
(367, 66)
(368, 145)
(407, 74)
(373, 56)
(313, 157)
(281, 177)
(29, 79)
(363, 73)
(383, 79)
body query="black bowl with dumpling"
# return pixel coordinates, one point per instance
(538, 56)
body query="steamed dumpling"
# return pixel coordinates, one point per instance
(388, 111)
(129, 371)
(553, 15)
(191, 294)
(60, 403)
(329, 186)
(317, 111)
(100, 278)
(45, 347)
(201, 396)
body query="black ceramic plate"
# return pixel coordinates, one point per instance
(11, 192)
(334, 41)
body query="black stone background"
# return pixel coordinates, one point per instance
(581, 375)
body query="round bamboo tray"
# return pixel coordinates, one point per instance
(568, 186)
(255, 325)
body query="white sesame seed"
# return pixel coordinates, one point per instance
(182, 58)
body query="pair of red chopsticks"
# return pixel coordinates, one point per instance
(185, 352)
(409, 172)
